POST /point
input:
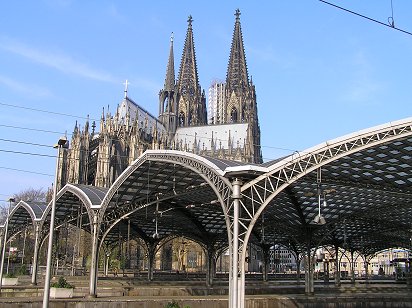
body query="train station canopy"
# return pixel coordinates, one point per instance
(354, 192)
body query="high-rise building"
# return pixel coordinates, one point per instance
(216, 100)
(98, 158)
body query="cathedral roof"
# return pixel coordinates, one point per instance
(144, 118)
(206, 137)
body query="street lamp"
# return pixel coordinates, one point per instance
(319, 219)
(6, 227)
(62, 143)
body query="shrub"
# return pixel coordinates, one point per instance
(62, 283)
(22, 270)
(174, 304)
(10, 275)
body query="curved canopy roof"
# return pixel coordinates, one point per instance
(362, 180)
(25, 213)
(365, 187)
(74, 200)
(167, 193)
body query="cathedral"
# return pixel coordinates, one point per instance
(230, 131)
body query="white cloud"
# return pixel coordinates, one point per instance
(60, 62)
(26, 89)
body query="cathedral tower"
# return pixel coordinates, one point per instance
(192, 101)
(168, 97)
(240, 95)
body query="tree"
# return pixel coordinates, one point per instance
(29, 194)
(3, 213)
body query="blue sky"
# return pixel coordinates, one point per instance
(319, 72)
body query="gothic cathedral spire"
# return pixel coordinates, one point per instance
(237, 76)
(192, 101)
(240, 96)
(168, 96)
(170, 72)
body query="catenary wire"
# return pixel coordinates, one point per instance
(268, 159)
(46, 111)
(25, 171)
(391, 25)
(34, 129)
(74, 116)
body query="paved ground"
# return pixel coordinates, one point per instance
(127, 292)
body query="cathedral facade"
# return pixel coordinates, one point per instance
(232, 131)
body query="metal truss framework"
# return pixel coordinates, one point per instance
(366, 177)
(26, 215)
(164, 180)
(258, 193)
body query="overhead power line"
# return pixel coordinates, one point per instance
(27, 153)
(34, 129)
(391, 23)
(27, 143)
(108, 156)
(47, 111)
(26, 171)
(188, 135)
(74, 116)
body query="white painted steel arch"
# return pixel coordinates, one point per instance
(27, 207)
(79, 193)
(260, 191)
(204, 168)
(212, 174)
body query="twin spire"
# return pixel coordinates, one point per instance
(188, 81)
(237, 69)
(237, 73)
(182, 101)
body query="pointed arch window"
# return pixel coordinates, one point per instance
(244, 114)
(166, 104)
(233, 115)
(191, 118)
(181, 119)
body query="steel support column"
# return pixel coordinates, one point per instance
(309, 279)
(62, 143)
(265, 266)
(365, 266)
(151, 253)
(211, 266)
(3, 251)
(4, 241)
(35, 255)
(106, 264)
(298, 261)
(95, 258)
(352, 266)
(326, 271)
(337, 267)
(236, 288)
